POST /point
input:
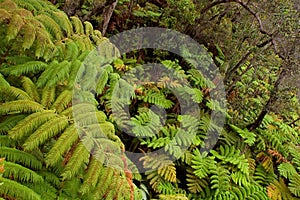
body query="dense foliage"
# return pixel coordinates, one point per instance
(53, 148)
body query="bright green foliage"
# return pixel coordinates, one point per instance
(45, 156)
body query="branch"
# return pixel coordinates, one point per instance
(270, 102)
(204, 10)
(262, 29)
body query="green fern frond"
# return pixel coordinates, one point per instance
(28, 125)
(14, 27)
(294, 151)
(89, 30)
(9, 122)
(44, 189)
(104, 182)
(91, 177)
(21, 157)
(19, 106)
(4, 84)
(46, 131)
(48, 96)
(233, 156)
(62, 20)
(263, 177)
(201, 163)
(29, 36)
(220, 180)
(157, 99)
(251, 191)
(62, 145)
(75, 66)
(13, 93)
(194, 183)
(20, 173)
(146, 124)
(51, 26)
(62, 101)
(294, 185)
(80, 157)
(28, 67)
(50, 177)
(248, 136)
(16, 190)
(77, 25)
(55, 73)
(287, 170)
(71, 51)
(30, 88)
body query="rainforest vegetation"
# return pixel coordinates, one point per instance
(55, 146)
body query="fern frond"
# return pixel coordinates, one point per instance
(157, 99)
(55, 73)
(62, 20)
(168, 173)
(294, 185)
(20, 173)
(28, 67)
(201, 163)
(71, 51)
(16, 190)
(13, 93)
(30, 88)
(89, 30)
(77, 25)
(29, 36)
(21, 157)
(48, 97)
(248, 136)
(79, 159)
(28, 125)
(51, 26)
(46, 131)
(10, 122)
(104, 182)
(194, 183)
(233, 156)
(62, 145)
(44, 189)
(75, 66)
(263, 177)
(220, 181)
(287, 170)
(146, 124)
(19, 106)
(62, 101)
(91, 177)
(279, 190)
(173, 197)
(3, 83)
(14, 27)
